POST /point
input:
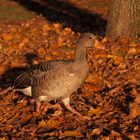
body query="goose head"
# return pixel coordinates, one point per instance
(88, 40)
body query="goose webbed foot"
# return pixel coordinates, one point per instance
(42, 109)
(67, 105)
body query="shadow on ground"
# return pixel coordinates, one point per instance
(63, 12)
(67, 14)
(10, 74)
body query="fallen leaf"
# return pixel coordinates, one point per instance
(3, 138)
(54, 122)
(115, 134)
(104, 40)
(6, 37)
(133, 44)
(132, 51)
(132, 137)
(105, 138)
(134, 110)
(96, 111)
(42, 123)
(71, 133)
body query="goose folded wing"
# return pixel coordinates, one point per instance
(42, 81)
(25, 79)
(46, 66)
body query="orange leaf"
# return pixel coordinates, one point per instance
(132, 137)
(96, 111)
(42, 123)
(72, 133)
(132, 51)
(114, 133)
(6, 37)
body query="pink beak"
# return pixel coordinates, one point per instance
(98, 45)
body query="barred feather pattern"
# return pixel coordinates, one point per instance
(25, 79)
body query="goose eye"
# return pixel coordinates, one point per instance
(90, 38)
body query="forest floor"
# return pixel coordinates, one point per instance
(35, 31)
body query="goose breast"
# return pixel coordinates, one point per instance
(59, 83)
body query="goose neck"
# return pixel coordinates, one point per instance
(80, 54)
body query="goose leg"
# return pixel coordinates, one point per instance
(67, 105)
(38, 106)
(43, 108)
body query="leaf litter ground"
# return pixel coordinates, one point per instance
(110, 94)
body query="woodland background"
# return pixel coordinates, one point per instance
(31, 32)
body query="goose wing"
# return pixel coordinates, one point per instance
(39, 82)
(46, 66)
(46, 83)
(25, 79)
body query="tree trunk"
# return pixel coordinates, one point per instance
(123, 19)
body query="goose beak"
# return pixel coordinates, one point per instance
(98, 45)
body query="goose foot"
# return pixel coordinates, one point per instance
(67, 105)
(42, 109)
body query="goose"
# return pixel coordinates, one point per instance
(58, 79)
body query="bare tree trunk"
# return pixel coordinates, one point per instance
(123, 19)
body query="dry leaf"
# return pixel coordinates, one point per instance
(3, 138)
(42, 123)
(105, 138)
(133, 44)
(132, 137)
(54, 122)
(132, 51)
(71, 133)
(60, 41)
(23, 42)
(115, 134)
(134, 110)
(96, 111)
(6, 37)
(104, 40)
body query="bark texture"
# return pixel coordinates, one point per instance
(123, 19)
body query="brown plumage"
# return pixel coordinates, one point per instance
(57, 79)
